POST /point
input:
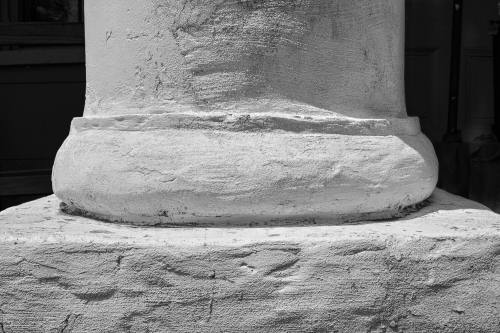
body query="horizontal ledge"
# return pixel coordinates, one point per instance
(445, 216)
(60, 270)
(251, 123)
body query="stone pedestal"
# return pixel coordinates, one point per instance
(223, 112)
(263, 130)
(436, 270)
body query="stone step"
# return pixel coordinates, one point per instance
(435, 270)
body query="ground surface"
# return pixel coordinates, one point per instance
(436, 270)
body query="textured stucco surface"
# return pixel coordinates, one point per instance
(305, 56)
(245, 170)
(225, 111)
(436, 270)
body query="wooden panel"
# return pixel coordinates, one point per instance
(476, 97)
(42, 87)
(43, 56)
(476, 23)
(21, 186)
(37, 104)
(4, 11)
(42, 74)
(428, 32)
(41, 34)
(30, 183)
(477, 112)
(8, 165)
(37, 118)
(421, 92)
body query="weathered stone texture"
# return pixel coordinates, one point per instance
(436, 270)
(341, 57)
(211, 177)
(222, 111)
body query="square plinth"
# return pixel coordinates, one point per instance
(435, 270)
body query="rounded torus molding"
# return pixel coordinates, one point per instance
(178, 169)
(238, 112)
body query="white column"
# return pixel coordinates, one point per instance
(249, 111)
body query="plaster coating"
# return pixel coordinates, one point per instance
(308, 56)
(435, 270)
(219, 111)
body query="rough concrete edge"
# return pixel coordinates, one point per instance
(250, 123)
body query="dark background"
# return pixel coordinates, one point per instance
(42, 87)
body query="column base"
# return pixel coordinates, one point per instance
(192, 169)
(433, 271)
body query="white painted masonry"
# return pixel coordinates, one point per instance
(220, 112)
(273, 136)
(433, 271)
